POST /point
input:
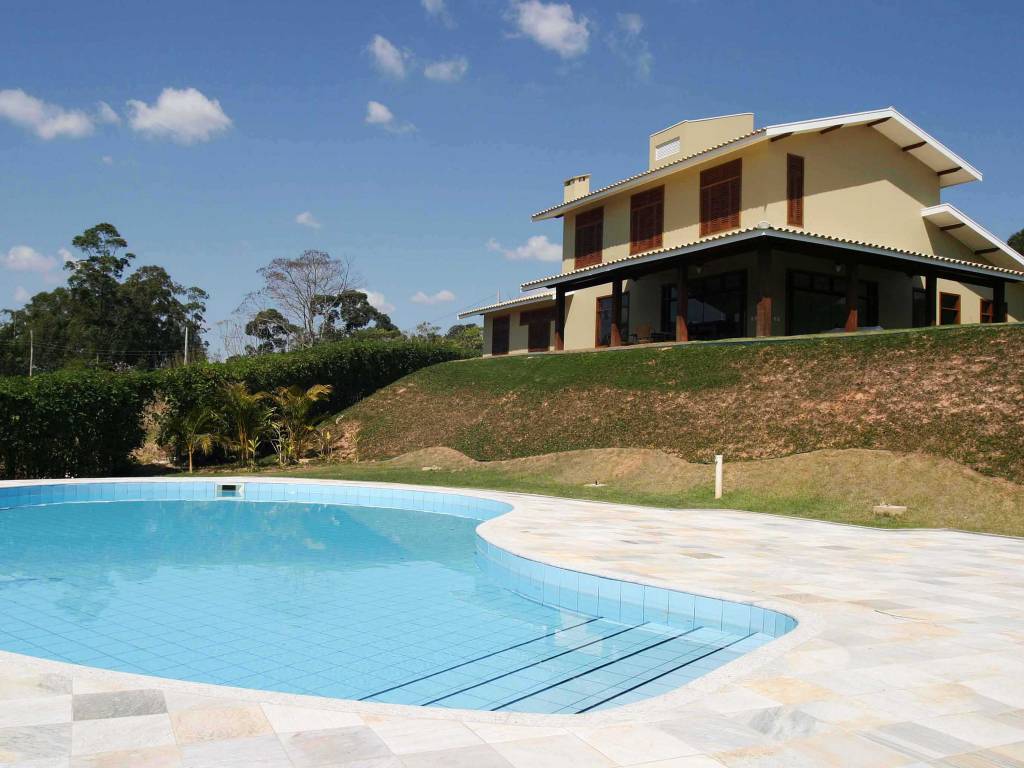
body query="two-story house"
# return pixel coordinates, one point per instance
(833, 224)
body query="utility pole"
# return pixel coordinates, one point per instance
(186, 343)
(31, 351)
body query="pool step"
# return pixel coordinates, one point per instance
(585, 666)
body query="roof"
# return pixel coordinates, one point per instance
(541, 297)
(952, 168)
(955, 222)
(785, 233)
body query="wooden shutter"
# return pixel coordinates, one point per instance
(794, 190)
(646, 220)
(720, 193)
(589, 238)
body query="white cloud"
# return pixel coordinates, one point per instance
(106, 114)
(438, 10)
(536, 248)
(378, 302)
(379, 115)
(628, 43)
(107, 160)
(448, 71)
(307, 219)
(185, 116)
(434, 298)
(47, 121)
(387, 58)
(21, 295)
(553, 26)
(23, 258)
(65, 255)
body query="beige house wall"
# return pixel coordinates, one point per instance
(518, 335)
(857, 185)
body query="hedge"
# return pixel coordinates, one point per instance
(71, 423)
(75, 423)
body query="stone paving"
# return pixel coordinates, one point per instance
(909, 652)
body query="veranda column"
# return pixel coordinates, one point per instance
(764, 290)
(616, 340)
(931, 297)
(852, 281)
(682, 302)
(559, 318)
(999, 302)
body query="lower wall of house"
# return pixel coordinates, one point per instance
(518, 336)
(895, 299)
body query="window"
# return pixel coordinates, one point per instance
(539, 328)
(500, 335)
(589, 237)
(949, 309)
(794, 190)
(604, 320)
(669, 300)
(720, 198)
(646, 219)
(988, 311)
(716, 308)
(920, 308)
(817, 303)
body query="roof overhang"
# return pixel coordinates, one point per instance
(581, 278)
(911, 138)
(541, 297)
(955, 222)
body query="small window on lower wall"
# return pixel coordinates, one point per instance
(988, 308)
(500, 330)
(949, 309)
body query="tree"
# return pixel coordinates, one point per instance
(246, 418)
(297, 287)
(103, 317)
(191, 431)
(271, 329)
(427, 332)
(292, 413)
(348, 312)
(468, 337)
(1016, 241)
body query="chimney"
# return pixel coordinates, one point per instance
(576, 187)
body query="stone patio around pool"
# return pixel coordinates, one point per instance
(909, 652)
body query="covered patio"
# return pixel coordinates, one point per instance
(782, 282)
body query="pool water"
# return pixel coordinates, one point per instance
(353, 602)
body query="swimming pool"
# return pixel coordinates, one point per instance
(376, 594)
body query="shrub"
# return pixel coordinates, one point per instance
(71, 423)
(82, 422)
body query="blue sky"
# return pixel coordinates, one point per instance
(227, 121)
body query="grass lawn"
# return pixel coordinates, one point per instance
(836, 485)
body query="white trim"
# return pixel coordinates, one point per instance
(968, 222)
(523, 301)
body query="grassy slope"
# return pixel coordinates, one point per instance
(840, 486)
(955, 393)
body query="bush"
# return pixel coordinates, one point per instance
(71, 423)
(75, 423)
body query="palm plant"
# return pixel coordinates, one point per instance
(191, 431)
(294, 406)
(246, 418)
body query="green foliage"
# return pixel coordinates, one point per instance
(468, 337)
(1016, 241)
(85, 422)
(293, 408)
(246, 418)
(77, 423)
(191, 431)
